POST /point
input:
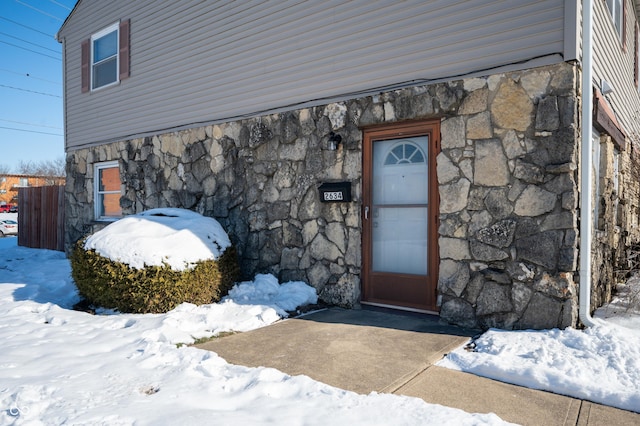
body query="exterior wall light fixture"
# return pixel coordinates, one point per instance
(334, 141)
(606, 87)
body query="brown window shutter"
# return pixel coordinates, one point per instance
(123, 49)
(85, 59)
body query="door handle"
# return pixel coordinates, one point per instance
(366, 213)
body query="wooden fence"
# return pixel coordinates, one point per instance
(41, 217)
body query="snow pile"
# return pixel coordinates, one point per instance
(59, 366)
(177, 237)
(266, 290)
(600, 364)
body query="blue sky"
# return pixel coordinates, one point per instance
(31, 107)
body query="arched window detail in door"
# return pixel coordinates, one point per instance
(405, 153)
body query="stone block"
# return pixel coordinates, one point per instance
(259, 133)
(290, 258)
(542, 313)
(511, 107)
(454, 248)
(505, 321)
(512, 146)
(323, 249)
(479, 220)
(473, 288)
(547, 114)
(318, 275)
(354, 248)
(446, 170)
(528, 172)
(278, 211)
(498, 204)
(291, 234)
(476, 198)
(345, 292)
(520, 271)
(494, 298)
(563, 220)
(453, 133)
(490, 165)
(475, 102)
(336, 233)
(486, 253)
(542, 248)
(499, 235)
(520, 296)
(310, 206)
(569, 316)
(453, 277)
(453, 197)
(535, 201)
(561, 184)
(479, 126)
(459, 312)
(559, 286)
(535, 83)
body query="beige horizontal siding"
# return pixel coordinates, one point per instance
(615, 63)
(194, 61)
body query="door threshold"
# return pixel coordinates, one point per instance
(400, 308)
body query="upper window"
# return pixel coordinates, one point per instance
(107, 191)
(616, 9)
(104, 57)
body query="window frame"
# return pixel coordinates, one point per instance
(94, 37)
(596, 140)
(617, 12)
(97, 193)
(617, 216)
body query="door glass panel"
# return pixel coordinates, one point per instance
(400, 209)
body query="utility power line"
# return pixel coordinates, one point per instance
(31, 124)
(31, 131)
(31, 76)
(30, 50)
(26, 26)
(40, 11)
(30, 91)
(60, 4)
(28, 42)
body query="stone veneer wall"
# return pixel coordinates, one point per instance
(507, 176)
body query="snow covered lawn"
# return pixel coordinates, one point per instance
(600, 364)
(60, 366)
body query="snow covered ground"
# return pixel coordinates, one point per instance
(60, 366)
(600, 364)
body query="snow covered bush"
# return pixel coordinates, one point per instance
(153, 261)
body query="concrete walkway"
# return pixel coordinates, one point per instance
(369, 350)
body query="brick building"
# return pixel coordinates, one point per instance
(9, 184)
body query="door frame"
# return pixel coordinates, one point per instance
(398, 131)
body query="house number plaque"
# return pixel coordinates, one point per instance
(335, 192)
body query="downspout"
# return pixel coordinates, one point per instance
(586, 170)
